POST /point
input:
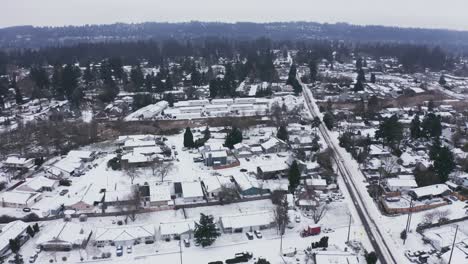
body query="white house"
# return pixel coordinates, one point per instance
(192, 192)
(38, 184)
(245, 222)
(400, 185)
(12, 230)
(213, 185)
(168, 230)
(15, 162)
(64, 237)
(19, 198)
(125, 235)
(274, 145)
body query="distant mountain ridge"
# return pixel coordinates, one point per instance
(36, 37)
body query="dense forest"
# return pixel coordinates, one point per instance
(34, 37)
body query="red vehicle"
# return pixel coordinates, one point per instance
(311, 230)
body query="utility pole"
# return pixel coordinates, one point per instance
(180, 250)
(408, 221)
(453, 245)
(349, 228)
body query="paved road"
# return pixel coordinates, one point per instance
(378, 243)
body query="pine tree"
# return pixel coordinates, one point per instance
(137, 77)
(361, 76)
(442, 80)
(14, 245)
(206, 134)
(282, 133)
(233, 137)
(36, 227)
(444, 163)
(358, 86)
(372, 78)
(188, 138)
(88, 75)
(431, 126)
(30, 231)
(371, 258)
(415, 127)
(329, 120)
(294, 176)
(206, 231)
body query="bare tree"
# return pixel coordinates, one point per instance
(387, 166)
(281, 219)
(319, 211)
(132, 173)
(228, 194)
(134, 202)
(161, 169)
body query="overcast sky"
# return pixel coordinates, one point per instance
(451, 14)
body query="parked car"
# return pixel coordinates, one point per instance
(297, 219)
(119, 251)
(129, 249)
(258, 234)
(186, 243)
(26, 209)
(249, 235)
(32, 258)
(63, 192)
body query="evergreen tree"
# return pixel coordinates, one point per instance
(294, 176)
(57, 82)
(430, 106)
(262, 261)
(70, 75)
(30, 231)
(390, 131)
(444, 163)
(359, 63)
(36, 227)
(188, 138)
(329, 120)
(313, 71)
(18, 94)
(292, 75)
(14, 245)
(206, 134)
(415, 127)
(361, 76)
(371, 258)
(77, 97)
(137, 77)
(233, 137)
(196, 77)
(205, 231)
(442, 80)
(372, 78)
(431, 126)
(88, 75)
(358, 86)
(282, 133)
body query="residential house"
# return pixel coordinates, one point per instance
(242, 150)
(429, 192)
(86, 200)
(38, 184)
(15, 162)
(272, 171)
(13, 230)
(192, 192)
(212, 186)
(400, 185)
(126, 235)
(246, 222)
(274, 145)
(17, 199)
(248, 186)
(64, 236)
(178, 229)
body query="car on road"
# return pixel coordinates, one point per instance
(249, 235)
(26, 209)
(172, 147)
(119, 251)
(258, 234)
(186, 243)
(129, 249)
(63, 192)
(297, 219)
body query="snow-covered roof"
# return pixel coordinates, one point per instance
(14, 160)
(215, 183)
(18, 197)
(11, 231)
(39, 182)
(160, 193)
(124, 233)
(133, 157)
(148, 112)
(245, 182)
(375, 150)
(273, 141)
(176, 228)
(79, 154)
(133, 143)
(335, 257)
(191, 189)
(316, 182)
(280, 166)
(262, 218)
(436, 189)
(67, 232)
(402, 183)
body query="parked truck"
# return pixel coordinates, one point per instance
(311, 230)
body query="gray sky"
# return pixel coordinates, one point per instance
(451, 14)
